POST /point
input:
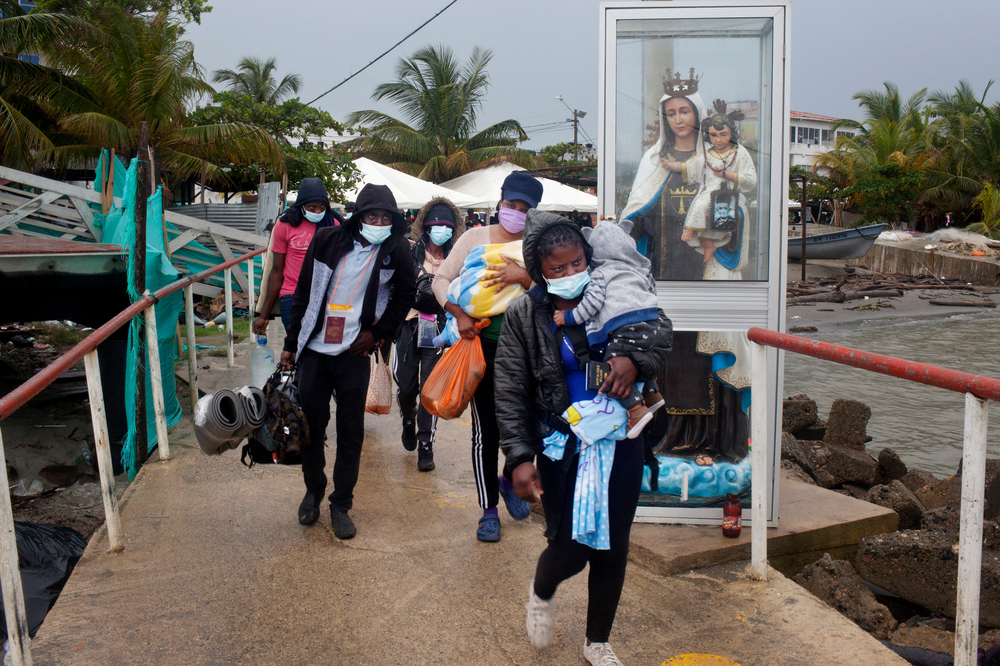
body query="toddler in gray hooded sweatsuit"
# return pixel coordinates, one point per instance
(619, 307)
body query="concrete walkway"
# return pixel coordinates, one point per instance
(217, 570)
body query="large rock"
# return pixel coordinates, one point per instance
(890, 466)
(815, 431)
(921, 566)
(898, 497)
(941, 493)
(796, 472)
(947, 519)
(992, 490)
(797, 412)
(848, 423)
(837, 584)
(832, 466)
(917, 478)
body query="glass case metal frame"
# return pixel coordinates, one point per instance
(704, 305)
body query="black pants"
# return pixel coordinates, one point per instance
(486, 432)
(564, 558)
(411, 368)
(346, 377)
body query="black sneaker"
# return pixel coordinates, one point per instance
(425, 456)
(343, 526)
(409, 434)
(308, 510)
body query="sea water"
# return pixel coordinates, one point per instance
(923, 424)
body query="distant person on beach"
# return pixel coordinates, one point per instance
(356, 286)
(290, 239)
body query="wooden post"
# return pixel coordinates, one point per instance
(284, 191)
(110, 185)
(204, 177)
(104, 466)
(758, 461)
(970, 534)
(141, 197)
(10, 580)
(250, 279)
(156, 381)
(192, 350)
(228, 274)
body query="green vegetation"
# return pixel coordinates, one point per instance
(440, 101)
(920, 159)
(241, 327)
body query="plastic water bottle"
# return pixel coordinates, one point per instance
(261, 362)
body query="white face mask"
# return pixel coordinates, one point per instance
(313, 217)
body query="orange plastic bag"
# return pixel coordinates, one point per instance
(454, 379)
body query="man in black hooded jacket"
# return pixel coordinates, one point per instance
(356, 286)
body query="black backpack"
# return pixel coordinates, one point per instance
(285, 430)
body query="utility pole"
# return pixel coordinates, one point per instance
(577, 114)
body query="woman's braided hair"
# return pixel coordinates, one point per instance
(556, 236)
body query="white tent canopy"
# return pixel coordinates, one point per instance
(484, 185)
(409, 191)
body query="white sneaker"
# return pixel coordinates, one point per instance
(539, 619)
(600, 654)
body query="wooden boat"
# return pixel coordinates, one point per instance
(843, 244)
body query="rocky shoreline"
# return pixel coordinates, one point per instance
(900, 586)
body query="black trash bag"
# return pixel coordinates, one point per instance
(46, 555)
(920, 656)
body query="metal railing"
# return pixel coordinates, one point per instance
(86, 349)
(978, 392)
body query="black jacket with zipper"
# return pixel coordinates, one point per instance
(393, 275)
(530, 384)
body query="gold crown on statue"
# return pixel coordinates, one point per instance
(678, 87)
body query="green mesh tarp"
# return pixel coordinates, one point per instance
(119, 229)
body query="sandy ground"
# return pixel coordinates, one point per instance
(913, 303)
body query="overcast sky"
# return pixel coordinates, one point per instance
(544, 48)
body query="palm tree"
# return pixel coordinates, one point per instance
(131, 70)
(440, 101)
(255, 77)
(23, 124)
(886, 106)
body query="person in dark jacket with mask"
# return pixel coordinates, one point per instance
(540, 371)
(290, 238)
(355, 288)
(433, 231)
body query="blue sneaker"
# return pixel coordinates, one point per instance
(516, 507)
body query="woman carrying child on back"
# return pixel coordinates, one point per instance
(538, 377)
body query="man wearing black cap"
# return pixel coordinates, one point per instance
(355, 287)
(434, 230)
(519, 193)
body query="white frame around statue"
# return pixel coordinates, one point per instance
(758, 301)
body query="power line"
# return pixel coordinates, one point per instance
(310, 103)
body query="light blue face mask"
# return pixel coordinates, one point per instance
(375, 234)
(313, 217)
(570, 286)
(440, 234)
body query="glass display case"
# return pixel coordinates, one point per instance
(692, 161)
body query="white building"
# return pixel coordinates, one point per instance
(811, 135)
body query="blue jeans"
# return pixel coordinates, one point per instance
(285, 304)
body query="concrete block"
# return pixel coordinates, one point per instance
(921, 566)
(992, 494)
(917, 478)
(898, 497)
(835, 465)
(941, 493)
(797, 412)
(848, 423)
(813, 432)
(890, 466)
(946, 519)
(837, 584)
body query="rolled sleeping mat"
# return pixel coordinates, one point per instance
(218, 419)
(252, 408)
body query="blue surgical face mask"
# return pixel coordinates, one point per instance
(375, 234)
(440, 234)
(570, 286)
(313, 217)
